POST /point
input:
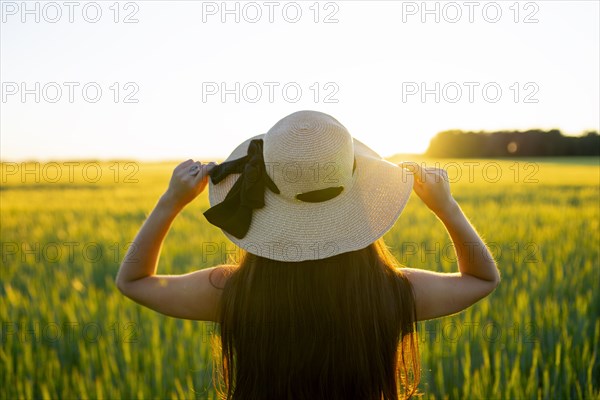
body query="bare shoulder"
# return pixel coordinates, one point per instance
(195, 295)
(438, 294)
(220, 274)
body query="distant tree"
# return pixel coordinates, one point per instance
(531, 143)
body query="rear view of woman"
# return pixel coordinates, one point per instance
(317, 307)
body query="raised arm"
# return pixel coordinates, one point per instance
(190, 296)
(439, 294)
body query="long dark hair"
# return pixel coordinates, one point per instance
(337, 328)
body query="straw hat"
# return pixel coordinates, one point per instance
(325, 193)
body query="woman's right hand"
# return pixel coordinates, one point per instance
(432, 186)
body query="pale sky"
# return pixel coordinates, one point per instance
(373, 61)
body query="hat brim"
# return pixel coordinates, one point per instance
(293, 230)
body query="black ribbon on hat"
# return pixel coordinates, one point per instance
(234, 213)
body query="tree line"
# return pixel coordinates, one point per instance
(531, 143)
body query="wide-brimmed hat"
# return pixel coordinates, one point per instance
(306, 190)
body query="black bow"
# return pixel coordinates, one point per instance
(234, 214)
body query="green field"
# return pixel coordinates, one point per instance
(68, 333)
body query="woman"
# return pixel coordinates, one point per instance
(317, 308)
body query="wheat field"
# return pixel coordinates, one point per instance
(67, 332)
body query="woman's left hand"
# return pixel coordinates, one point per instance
(188, 180)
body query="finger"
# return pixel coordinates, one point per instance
(435, 170)
(203, 173)
(436, 174)
(444, 174)
(414, 168)
(207, 167)
(198, 169)
(409, 165)
(211, 165)
(184, 164)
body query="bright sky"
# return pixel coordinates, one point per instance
(374, 61)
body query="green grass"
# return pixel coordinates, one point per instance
(68, 333)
